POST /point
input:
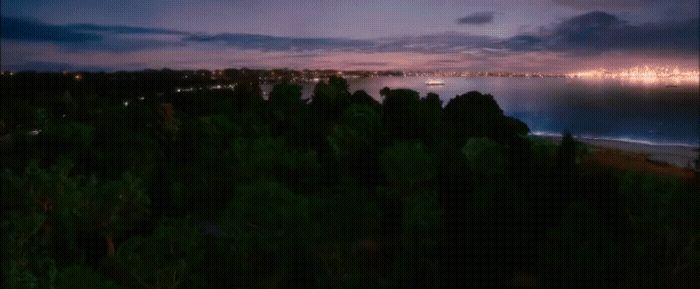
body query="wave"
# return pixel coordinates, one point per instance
(618, 139)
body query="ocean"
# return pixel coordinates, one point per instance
(643, 112)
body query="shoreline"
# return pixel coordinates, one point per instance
(681, 156)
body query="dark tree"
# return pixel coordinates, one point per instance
(455, 189)
(289, 113)
(402, 113)
(474, 114)
(361, 97)
(330, 99)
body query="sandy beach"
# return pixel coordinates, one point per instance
(683, 156)
(677, 155)
(676, 160)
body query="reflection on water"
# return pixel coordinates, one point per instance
(606, 108)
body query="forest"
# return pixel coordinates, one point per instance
(120, 181)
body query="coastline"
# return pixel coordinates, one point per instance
(673, 159)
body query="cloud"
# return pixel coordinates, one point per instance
(33, 30)
(590, 33)
(435, 43)
(477, 18)
(48, 66)
(85, 37)
(597, 32)
(368, 63)
(119, 29)
(431, 43)
(599, 4)
(30, 30)
(29, 44)
(266, 42)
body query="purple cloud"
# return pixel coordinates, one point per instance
(477, 18)
(598, 4)
(597, 32)
(31, 30)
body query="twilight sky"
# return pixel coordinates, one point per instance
(534, 35)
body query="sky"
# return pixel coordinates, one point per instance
(480, 35)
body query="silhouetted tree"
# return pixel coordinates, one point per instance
(330, 99)
(290, 113)
(402, 113)
(247, 95)
(356, 141)
(455, 187)
(361, 97)
(129, 179)
(566, 169)
(478, 115)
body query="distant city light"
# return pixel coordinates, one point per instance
(647, 74)
(78, 77)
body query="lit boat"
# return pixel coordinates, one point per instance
(435, 82)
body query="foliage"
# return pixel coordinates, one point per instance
(573, 249)
(125, 180)
(407, 165)
(402, 113)
(268, 215)
(356, 142)
(474, 114)
(26, 263)
(267, 157)
(165, 259)
(485, 157)
(115, 207)
(330, 99)
(77, 276)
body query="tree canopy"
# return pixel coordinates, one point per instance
(125, 180)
